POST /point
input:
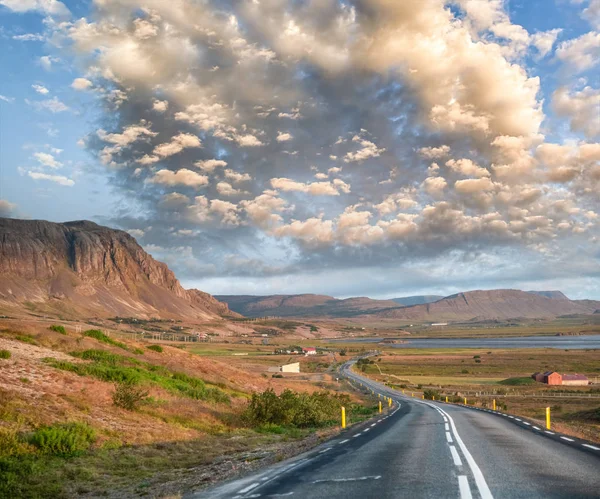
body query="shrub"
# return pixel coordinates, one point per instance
(294, 409)
(26, 338)
(156, 348)
(129, 395)
(477, 356)
(465, 371)
(138, 351)
(429, 394)
(277, 376)
(477, 361)
(518, 381)
(63, 439)
(5, 354)
(58, 329)
(100, 336)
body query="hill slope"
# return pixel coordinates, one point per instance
(302, 305)
(490, 305)
(81, 268)
(407, 301)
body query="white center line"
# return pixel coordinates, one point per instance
(249, 488)
(448, 437)
(446, 427)
(372, 425)
(568, 439)
(344, 441)
(366, 430)
(591, 447)
(455, 456)
(325, 450)
(463, 486)
(357, 435)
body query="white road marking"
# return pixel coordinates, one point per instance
(549, 432)
(482, 486)
(511, 417)
(372, 425)
(463, 486)
(357, 435)
(249, 488)
(446, 427)
(535, 428)
(356, 479)
(344, 441)
(568, 439)
(281, 495)
(325, 450)
(449, 437)
(455, 456)
(591, 447)
(366, 430)
(525, 422)
(517, 419)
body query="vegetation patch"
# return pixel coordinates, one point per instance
(114, 368)
(58, 329)
(518, 381)
(100, 336)
(26, 338)
(5, 354)
(155, 348)
(129, 395)
(65, 440)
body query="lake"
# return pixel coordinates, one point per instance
(562, 342)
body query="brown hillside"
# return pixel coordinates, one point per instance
(83, 269)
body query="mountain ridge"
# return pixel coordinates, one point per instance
(80, 267)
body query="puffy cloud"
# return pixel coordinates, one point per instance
(46, 159)
(582, 108)
(237, 177)
(581, 53)
(369, 150)
(7, 209)
(81, 84)
(40, 89)
(180, 177)
(6, 99)
(264, 210)
(467, 168)
(178, 143)
(58, 179)
(160, 106)
(283, 136)
(52, 7)
(226, 189)
(47, 61)
(29, 37)
(472, 185)
(435, 152)
(209, 165)
(545, 40)
(332, 188)
(434, 186)
(592, 13)
(312, 232)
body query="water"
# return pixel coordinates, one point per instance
(561, 342)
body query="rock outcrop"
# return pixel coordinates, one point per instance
(83, 268)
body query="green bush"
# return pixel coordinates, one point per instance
(26, 338)
(128, 395)
(518, 381)
(64, 439)
(300, 410)
(430, 394)
(156, 348)
(138, 351)
(58, 329)
(5, 354)
(100, 336)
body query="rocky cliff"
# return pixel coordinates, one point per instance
(83, 268)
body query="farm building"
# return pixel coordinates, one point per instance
(286, 368)
(553, 378)
(575, 380)
(310, 351)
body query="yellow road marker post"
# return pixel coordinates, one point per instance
(343, 417)
(390, 402)
(380, 407)
(494, 404)
(548, 418)
(423, 396)
(465, 400)
(446, 399)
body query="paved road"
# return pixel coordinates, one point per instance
(428, 449)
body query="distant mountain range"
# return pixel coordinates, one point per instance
(472, 305)
(81, 269)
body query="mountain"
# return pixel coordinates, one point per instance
(491, 305)
(306, 305)
(408, 301)
(83, 269)
(556, 295)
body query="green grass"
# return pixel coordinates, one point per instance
(156, 348)
(115, 368)
(58, 329)
(5, 354)
(68, 439)
(26, 338)
(100, 336)
(523, 381)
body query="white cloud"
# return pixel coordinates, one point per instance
(178, 143)
(467, 168)
(369, 150)
(580, 54)
(59, 179)
(592, 13)
(581, 107)
(6, 99)
(7, 209)
(160, 106)
(40, 89)
(53, 105)
(226, 189)
(472, 185)
(435, 186)
(237, 177)
(180, 177)
(53, 7)
(46, 159)
(544, 41)
(315, 188)
(46, 61)
(29, 37)
(434, 152)
(283, 136)
(81, 84)
(209, 165)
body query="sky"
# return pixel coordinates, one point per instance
(376, 148)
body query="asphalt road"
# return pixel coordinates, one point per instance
(429, 449)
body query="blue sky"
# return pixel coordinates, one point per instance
(342, 147)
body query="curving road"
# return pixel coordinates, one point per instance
(430, 449)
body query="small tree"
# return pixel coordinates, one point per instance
(128, 395)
